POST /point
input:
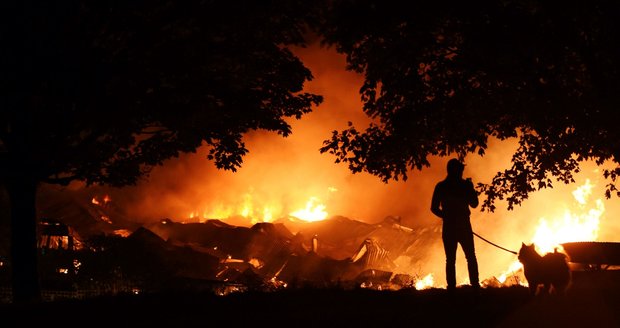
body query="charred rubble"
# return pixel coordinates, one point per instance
(320, 255)
(222, 258)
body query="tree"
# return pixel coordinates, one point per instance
(442, 78)
(103, 91)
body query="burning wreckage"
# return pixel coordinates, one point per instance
(223, 258)
(93, 247)
(87, 256)
(338, 252)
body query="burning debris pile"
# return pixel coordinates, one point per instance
(91, 244)
(216, 256)
(86, 242)
(333, 252)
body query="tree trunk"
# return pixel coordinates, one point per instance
(25, 275)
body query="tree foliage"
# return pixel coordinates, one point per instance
(102, 91)
(441, 78)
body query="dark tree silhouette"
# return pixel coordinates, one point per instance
(102, 91)
(443, 77)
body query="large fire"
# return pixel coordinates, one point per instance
(559, 224)
(578, 224)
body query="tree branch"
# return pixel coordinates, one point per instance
(60, 180)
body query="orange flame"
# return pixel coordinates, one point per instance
(122, 232)
(571, 226)
(256, 211)
(425, 283)
(104, 201)
(314, 211)
(582, 224)
(106, 219)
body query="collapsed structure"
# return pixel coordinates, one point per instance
(213, 255)
(318, 255)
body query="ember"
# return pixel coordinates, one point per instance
(104, 200)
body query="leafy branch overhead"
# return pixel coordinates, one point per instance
(441, 78)
(102, 92)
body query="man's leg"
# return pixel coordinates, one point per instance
(449, 246)
(467, 243)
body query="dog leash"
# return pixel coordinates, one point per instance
(500, 247)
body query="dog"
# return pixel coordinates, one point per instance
(550, 271)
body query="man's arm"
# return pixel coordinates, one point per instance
(435, 202)
(473, 195)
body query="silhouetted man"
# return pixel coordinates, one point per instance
(452, 198)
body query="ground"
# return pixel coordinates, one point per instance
(491, 307)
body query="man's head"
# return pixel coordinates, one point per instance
(455, 168)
